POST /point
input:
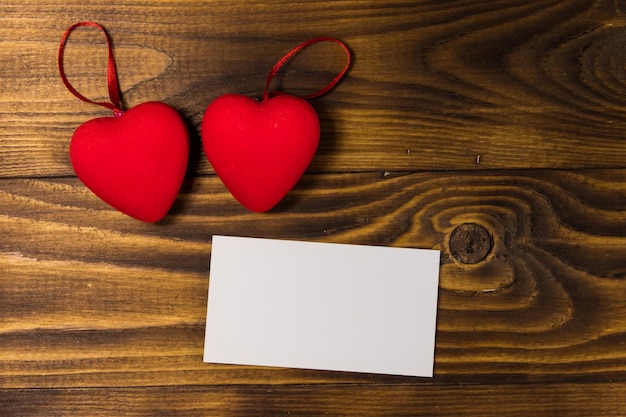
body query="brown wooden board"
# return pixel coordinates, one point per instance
(89, 294)
(456, 85)
(298, 400)
(492, 131)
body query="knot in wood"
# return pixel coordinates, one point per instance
(470, 243)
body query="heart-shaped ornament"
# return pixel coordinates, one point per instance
(135, 161)
(260, 149)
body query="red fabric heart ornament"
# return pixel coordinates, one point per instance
(260, 149)
(134, 160)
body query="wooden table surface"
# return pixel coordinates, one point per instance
(504, 121)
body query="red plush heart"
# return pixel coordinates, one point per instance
(135, 161)
(260, 149)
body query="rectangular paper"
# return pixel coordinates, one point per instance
(322, 306)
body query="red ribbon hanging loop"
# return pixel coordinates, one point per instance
(112, 83)
(297, 49)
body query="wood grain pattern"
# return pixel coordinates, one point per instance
(377, 400)
(546, 302)
(522, 84)
(506, 115)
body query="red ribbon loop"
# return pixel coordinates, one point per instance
(112, 82)
(297, 49)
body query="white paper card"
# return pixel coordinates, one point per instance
(322, 306)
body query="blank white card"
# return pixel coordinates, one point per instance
(322, 306)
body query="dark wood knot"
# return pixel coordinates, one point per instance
(470, 243)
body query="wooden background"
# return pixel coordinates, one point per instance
(507, 114)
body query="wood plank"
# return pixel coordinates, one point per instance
(90, 297)
(433, 86)
(377, 400)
